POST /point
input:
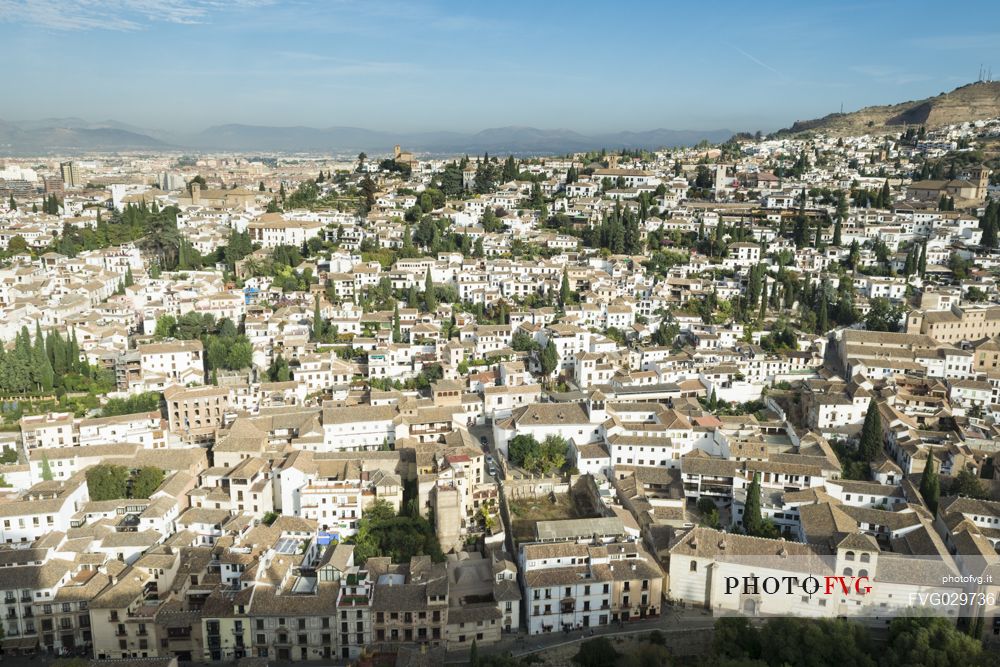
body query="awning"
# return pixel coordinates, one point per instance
(19, 643)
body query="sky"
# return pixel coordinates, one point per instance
(184, 65)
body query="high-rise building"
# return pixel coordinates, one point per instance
(54, 186)
(71, 174)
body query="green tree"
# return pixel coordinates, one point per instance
(882, 315)
(521, 447)
(930, 641)
(145, 402)
(597, 652)
(240, 355)
(565, 293)
(930, 485)
(107, 482)
(549, 358)
(368, 190)
(217, 354)
(397, 333)
(317, 322)
(818, 643)
(279, 371)
(753, 521)
(736, 638)
(967, 484)
(381, 532)
(46, 469)
(474, 655)
(146, 481)
(17, 245)
(162, 238)
(430, 298)
(870, 445)
(822, 312)
(550, 457)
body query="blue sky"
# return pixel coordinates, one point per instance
(586, 66)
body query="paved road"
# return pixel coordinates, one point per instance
(672, 621)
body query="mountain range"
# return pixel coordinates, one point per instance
(975, 101)
(75, 134)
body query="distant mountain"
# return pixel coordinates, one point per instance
(975, 101)
(513, 139)
(72, 134)
(76, 134)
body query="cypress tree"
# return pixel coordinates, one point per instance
(73, 353)
(990, 235)
(823, 312)
(317, 323)
(871, 434)
(46, 469)
(930, 485)
(763, 302)
(564, 290)
(430, 298)
(922, 261)
(43, 369)
(474, 655)
(753, 522)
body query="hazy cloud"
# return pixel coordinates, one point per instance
(116, 15)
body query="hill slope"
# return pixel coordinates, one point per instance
(975, 101)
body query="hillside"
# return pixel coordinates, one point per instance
(975, 101)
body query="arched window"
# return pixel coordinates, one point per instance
(862, 573)
(694, 566)
(848, 571)
(866, 557)
(849, 555)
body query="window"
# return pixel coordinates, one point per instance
(694, 566)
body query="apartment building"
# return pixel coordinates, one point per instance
(42, 509)
(177, 362)
(570, 585)
(956, 324)
(194, 413)
(409, 602)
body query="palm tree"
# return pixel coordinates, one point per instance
(162, 238)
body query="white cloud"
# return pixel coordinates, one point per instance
(119, 15)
